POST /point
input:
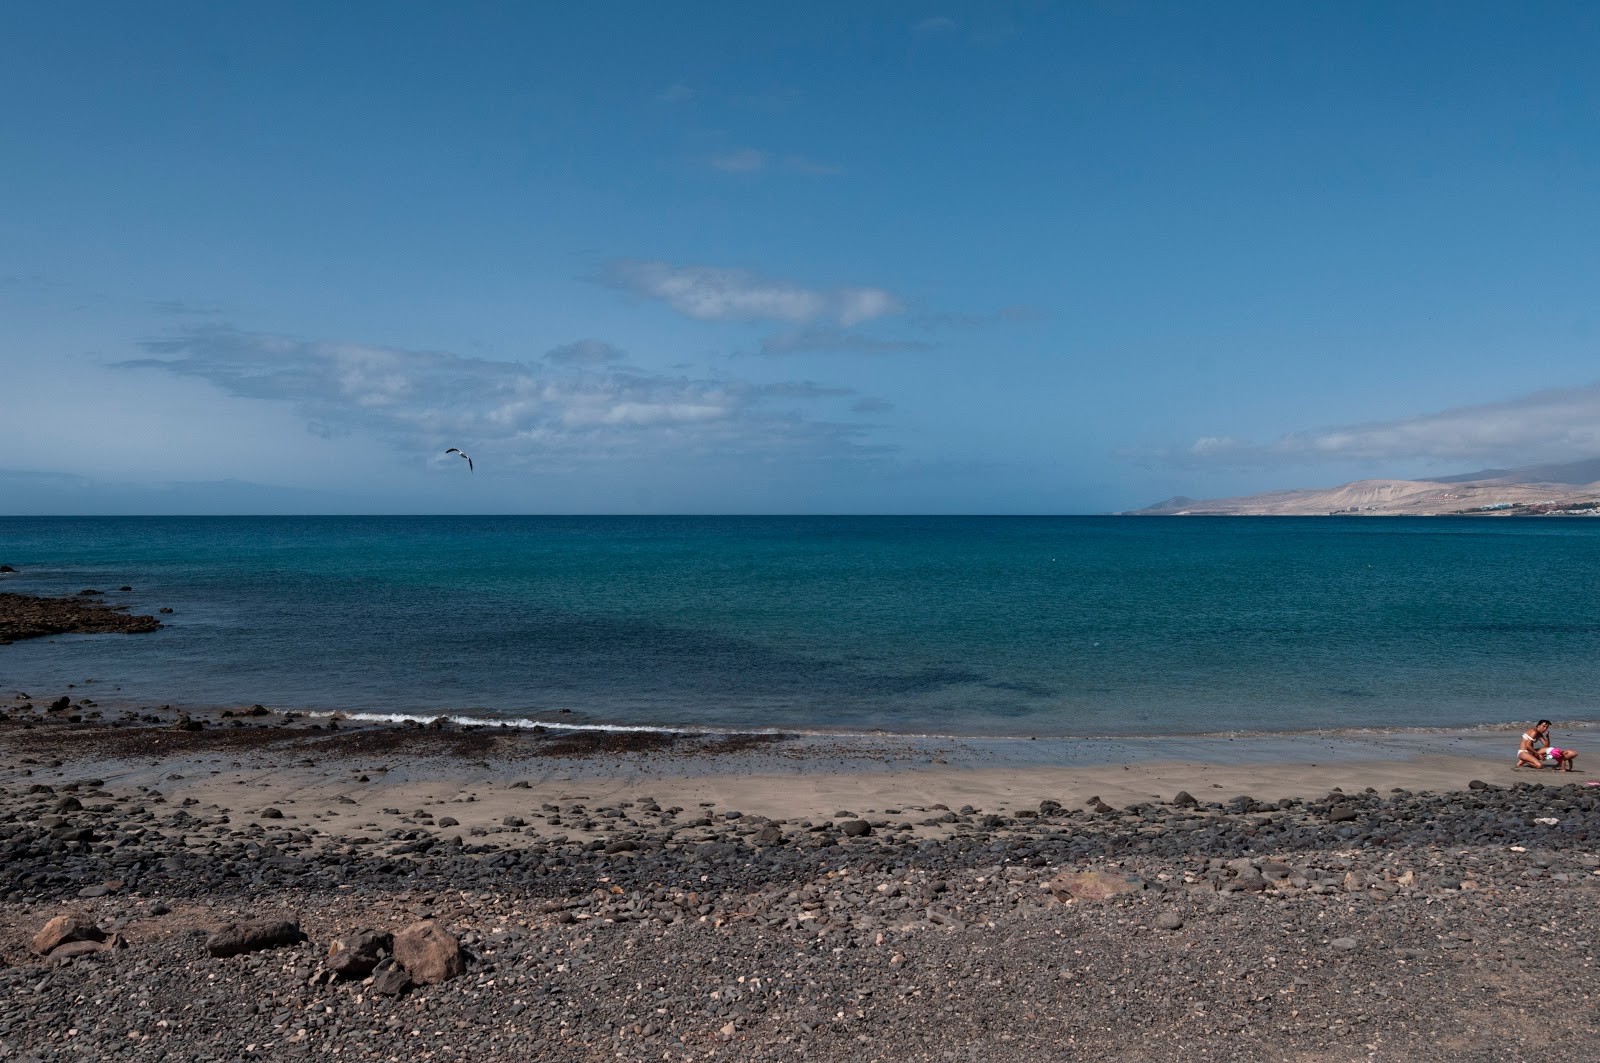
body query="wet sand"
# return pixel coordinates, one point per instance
(487, 773)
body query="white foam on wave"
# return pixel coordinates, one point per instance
(529, 723)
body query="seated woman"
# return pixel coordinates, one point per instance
(1536, 750)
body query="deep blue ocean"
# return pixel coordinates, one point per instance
(947, 625)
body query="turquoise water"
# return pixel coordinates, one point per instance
(984, 625)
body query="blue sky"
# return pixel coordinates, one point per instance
(847, 257)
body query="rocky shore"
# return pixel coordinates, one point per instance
(24, 616)
(165, 896)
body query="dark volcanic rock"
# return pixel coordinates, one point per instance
(357, 954)
(231, 939)
(25, 617)
(391, 982)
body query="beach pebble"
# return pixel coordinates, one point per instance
(1090, 885)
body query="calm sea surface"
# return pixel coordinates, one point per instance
(984, 625)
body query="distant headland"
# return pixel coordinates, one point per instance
(1572, 489)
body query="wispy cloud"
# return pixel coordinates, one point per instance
(713, 293)
(581, 407)
(758, 160)
(584, 352)
(184, 308)
(801, 164)
(679, 93)
(809, 340)
(820, 338)
(1006, 315)
(742, 160)
(1553, 425)
(805, 389)
(936, 25)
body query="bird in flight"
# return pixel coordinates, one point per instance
(457, 450)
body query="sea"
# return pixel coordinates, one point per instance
(962, 626)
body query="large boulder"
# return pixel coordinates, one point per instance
(73, 926)
(429, 954)
(233, 939)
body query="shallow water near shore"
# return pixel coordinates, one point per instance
(964, 626)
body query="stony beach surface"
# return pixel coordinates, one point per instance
(248, 887)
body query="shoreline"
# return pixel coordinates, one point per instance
(774, 773)
(111, 703)
(650, 897)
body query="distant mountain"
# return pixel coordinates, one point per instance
(1539, 489)
(1573, 472)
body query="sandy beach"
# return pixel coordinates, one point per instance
(1314, 896)
(779, 777)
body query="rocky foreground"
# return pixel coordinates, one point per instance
(1450, 926)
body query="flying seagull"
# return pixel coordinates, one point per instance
(457, 450)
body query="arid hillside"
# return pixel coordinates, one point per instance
(1487, 497)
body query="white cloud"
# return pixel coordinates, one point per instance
(1554, 425)
(427, 400)
(712, 293)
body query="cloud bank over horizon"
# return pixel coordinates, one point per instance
(1556, 424)
(582, 407)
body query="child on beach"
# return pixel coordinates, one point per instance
(1536, 750)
